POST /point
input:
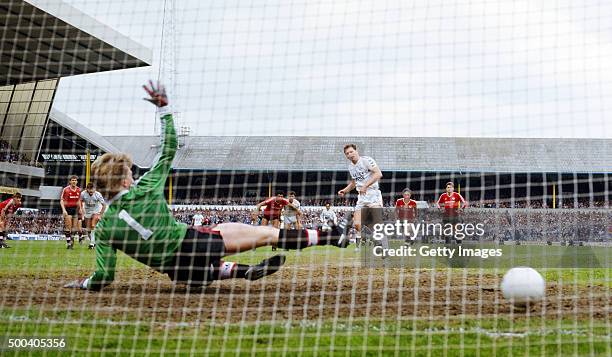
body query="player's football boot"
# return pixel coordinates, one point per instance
(4, 245)
(265, 268)
(344, 229)
(409, 242)
(367, 236)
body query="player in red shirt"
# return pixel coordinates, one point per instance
(274, 206)
(7, 208)
(272, 212)
(406, 210)
(453, 203)
(70, 201)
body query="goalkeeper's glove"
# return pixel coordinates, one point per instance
(158, 95)
(78, 284)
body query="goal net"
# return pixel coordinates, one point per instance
(415, 178)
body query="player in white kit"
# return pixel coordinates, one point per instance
(197, 219)
(365, 175)
(292, 213)
(93, 206)
(328, 218)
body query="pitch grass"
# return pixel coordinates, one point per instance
(87, 335)
(30, 257)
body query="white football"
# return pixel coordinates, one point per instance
(522, 285)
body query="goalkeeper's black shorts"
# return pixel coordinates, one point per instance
(193, 264)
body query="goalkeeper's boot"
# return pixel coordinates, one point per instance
(4, 245)
(265, 268)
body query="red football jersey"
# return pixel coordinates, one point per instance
(405, 210)
(274, 206)
(450, 203)
(12, 208)
(71, 197)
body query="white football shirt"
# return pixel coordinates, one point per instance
(198, 219)
(92, 203)
(290, 212)
(362, 171)
(328, 216)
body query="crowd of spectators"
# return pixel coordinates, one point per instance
(253, 201)
(8, 154)
(309, 219)
(536, 225)
(215, 216)
(351, 201)
(499, 224)
(568, 203)
(35, 222)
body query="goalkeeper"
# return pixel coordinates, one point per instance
(139, 223)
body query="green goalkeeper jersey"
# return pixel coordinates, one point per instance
(138, 221)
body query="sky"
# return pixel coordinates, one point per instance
(411, 68)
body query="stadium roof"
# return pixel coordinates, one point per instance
(44, 39)
(81, 130)
(87, 134)
(31, 171)
(391, 153)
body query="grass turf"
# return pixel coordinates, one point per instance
(87, 334)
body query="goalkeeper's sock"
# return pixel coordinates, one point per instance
(230, 270)
(300, 239)
(266, 267)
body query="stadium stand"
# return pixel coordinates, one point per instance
(300, 153)
(500, 224)
(45, 40)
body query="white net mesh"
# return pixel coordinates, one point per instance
(506, 100)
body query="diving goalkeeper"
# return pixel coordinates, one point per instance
(139, 223)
